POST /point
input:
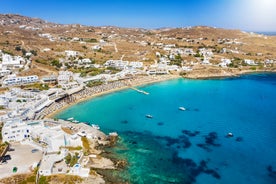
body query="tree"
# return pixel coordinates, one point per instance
(68, 158)
(56, 63)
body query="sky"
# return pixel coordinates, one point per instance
(247, 15)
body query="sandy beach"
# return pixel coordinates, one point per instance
(139, 81)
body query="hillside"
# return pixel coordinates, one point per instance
(48, 41)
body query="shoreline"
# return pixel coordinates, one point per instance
(146, 80)
(140, 82)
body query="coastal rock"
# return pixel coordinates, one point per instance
(121, 164)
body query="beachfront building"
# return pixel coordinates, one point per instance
(13, 80)
(54, 137)
(15, 130)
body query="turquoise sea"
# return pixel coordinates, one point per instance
(192, 146)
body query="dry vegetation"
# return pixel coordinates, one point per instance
(127, 41)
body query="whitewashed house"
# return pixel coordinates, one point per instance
(13, 80)
(64, 77)
(12, 62)
(136, 64)
(225, 62)
(250, 62)
(15, 130)
(96, 47)
(71, 53)
(84, 61)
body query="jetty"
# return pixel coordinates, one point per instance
(140, 91)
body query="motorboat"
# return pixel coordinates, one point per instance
(181, 108)
(70, 119)
(149, 116)
(95, 126)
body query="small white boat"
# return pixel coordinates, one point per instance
(75, 121)
(181, 108)
(230, 134)
(70, 119)
(95, 126)
(149, 116)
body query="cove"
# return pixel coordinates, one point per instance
(191, 146)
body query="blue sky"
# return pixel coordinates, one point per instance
(250, 15)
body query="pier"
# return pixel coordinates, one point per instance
(140, 91)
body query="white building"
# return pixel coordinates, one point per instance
(15, 131)
(205, 52)
(13, 80)
(64, 77)
(117, 64)
(224, 62)
(84, 61)
(71, 53)
(136, 64)
(4, 72)
(96, 47)
(12, 62)
(250, 62)
(48, 161)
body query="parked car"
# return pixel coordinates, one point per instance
(6, 157)
(34, 150)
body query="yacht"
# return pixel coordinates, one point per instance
(181, 108)
(149, 116)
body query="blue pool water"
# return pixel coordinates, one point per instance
(191, 146)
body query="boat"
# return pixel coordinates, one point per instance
(95, 126)
(149, 116)
(230, 134)
(75, 121)
(181, 108)
(70, 119)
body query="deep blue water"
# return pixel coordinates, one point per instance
(191, 146)
(268, 33)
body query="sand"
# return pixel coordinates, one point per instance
(145, 80)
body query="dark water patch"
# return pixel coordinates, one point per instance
(211, 138)
(239, 139)
(160, 123)
(124, 121)
(205, 147)
(148, 160)
(196, 110)
(193, 169)
(213, 173)
(271, 172)
(190, 133)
